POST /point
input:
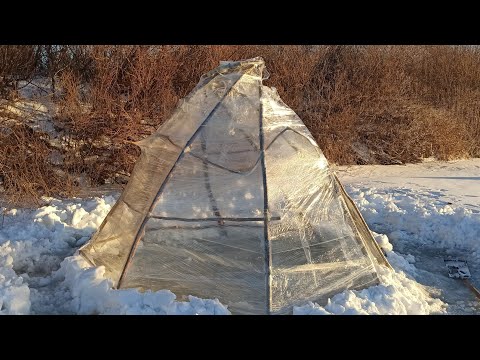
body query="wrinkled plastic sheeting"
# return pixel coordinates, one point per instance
(232, 199)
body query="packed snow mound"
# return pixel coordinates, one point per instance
(396, 295)
(93, 294)
(40, 273)
(14, 294)
(398, 292)
(406, 215)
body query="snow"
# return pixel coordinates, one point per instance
(34, 106)
(92, 294)
(14, 294)
(425, 212)
(396, 295)
(41, 273)
(419, 213)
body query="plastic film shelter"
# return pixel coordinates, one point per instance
(232, 198)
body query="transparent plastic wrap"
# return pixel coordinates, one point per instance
(232, 199)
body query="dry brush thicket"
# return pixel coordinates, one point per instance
(363, 104)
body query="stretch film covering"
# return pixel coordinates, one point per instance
(232, 199)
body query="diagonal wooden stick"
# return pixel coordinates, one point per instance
(472, 288)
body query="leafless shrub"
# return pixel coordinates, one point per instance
(17, 62)
(25, 169)
(363, 104)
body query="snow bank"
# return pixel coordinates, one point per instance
(398, 292)
(396, 295)
(92, 294)
(14, 294)
(40, 273)
(33, 243)
(410, 217)
(407, 215)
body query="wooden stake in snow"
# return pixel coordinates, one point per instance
(472, 288)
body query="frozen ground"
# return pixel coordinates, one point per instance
(420, 214)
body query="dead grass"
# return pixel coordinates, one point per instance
(363, 104)
(26, 172)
